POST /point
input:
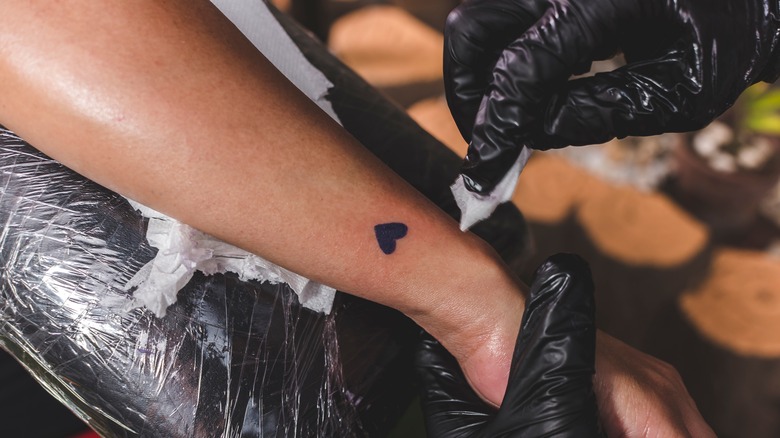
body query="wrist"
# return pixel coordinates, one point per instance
(480, 325)
(473, 296)
(478, 322)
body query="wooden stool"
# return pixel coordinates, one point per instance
(724, 338)
(392, 50)
(434, 116)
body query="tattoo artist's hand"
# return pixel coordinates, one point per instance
(507, 65)
(641, 396)
(550, 389)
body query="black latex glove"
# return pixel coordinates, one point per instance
(550, 389)
(507, 65)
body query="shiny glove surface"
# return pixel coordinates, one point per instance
(550, 383)
(507, 65)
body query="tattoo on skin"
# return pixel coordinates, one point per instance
(388, 234)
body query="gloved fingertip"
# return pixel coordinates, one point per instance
(475, 186)
(563, 263)
(563, 281)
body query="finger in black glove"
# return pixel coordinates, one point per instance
(550, 391)
(507, 65)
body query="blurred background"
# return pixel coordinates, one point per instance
(682, 231)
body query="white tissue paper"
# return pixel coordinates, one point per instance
(257, 23)
(182, 250)
(475, 207)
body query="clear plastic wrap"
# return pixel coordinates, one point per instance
(230, 358)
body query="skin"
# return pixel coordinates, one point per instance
(125, 93)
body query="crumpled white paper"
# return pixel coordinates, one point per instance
(182, 250)
(475, 207)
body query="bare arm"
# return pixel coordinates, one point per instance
(167, 103)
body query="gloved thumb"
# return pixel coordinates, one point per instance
(550, 390)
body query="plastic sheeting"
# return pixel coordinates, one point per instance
(231, 358)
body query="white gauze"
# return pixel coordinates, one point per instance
(182, 250)
(475, 207)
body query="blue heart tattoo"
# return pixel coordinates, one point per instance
(387, 235)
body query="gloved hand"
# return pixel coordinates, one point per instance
(507, 65)
(550, 383)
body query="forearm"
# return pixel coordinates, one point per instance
(169, 105)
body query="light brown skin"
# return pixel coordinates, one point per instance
(168, 104)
